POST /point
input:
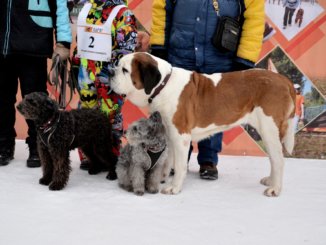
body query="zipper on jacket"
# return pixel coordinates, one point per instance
(7, 34)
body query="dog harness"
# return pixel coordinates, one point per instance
(154, 154)
(46, 130)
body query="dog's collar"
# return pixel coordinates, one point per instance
(160, 87)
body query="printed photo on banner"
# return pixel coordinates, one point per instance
(292, 16)
(310, 104)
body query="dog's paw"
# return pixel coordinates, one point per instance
(272, 191)
(139, 192)
(56, 186)
(44, 181)
(266, 181)
(126, 187)
(171, 190)
(152, 190)
(111, 176)
(93, 171)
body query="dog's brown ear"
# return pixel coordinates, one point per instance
(149, 74)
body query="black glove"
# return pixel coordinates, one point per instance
(237, 66)
(160, 53)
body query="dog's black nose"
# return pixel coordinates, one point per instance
(111, 72)
(19, 107)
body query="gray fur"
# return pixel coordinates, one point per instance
(87, 129)
(134, 164)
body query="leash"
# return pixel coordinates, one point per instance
(59, 76)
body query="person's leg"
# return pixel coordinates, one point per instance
(291, 12)
(8, 90)
(285, 18)
(88, 99)
(295, 122)
(208, 150)
(33, 78)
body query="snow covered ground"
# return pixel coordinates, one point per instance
(232, 210)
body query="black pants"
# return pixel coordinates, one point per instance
(31, 72)
(288, 14)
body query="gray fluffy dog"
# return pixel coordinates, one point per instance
(61, 131)
(142, 162)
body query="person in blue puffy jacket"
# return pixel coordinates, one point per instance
(182, 32)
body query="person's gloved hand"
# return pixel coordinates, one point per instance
(62, 51)
(238, 66)
(161, 53)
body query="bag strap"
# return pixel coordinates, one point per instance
(216, 8)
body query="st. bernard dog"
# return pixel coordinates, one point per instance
(195, 106)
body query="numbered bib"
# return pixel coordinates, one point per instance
(94, 42)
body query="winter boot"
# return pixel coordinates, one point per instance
(7, 150)
(84, 162)
(6, 154)
(208, 171)
(33, 160)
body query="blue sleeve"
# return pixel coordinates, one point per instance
(63, 28)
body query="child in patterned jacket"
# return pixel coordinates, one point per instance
(106, 31)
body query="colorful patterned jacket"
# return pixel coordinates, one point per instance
(184, 28)
(93, 75)
(26, 26)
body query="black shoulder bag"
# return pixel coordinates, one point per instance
(227, 33)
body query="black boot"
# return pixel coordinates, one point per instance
(6, 155)
(33, 160)
(208, 171)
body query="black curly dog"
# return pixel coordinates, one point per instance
(61, 131)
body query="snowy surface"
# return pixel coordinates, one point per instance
(232, 210)
(276, 12)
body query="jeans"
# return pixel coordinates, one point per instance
(208, 149)
(32, 74)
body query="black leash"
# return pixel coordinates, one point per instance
(59, 76)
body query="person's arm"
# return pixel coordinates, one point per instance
(284, 3)
(162, 12)
(252, 32)
(62, 28)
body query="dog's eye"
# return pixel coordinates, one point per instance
(124, 70)
(134, 128)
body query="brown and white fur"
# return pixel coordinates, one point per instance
(194, 106)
